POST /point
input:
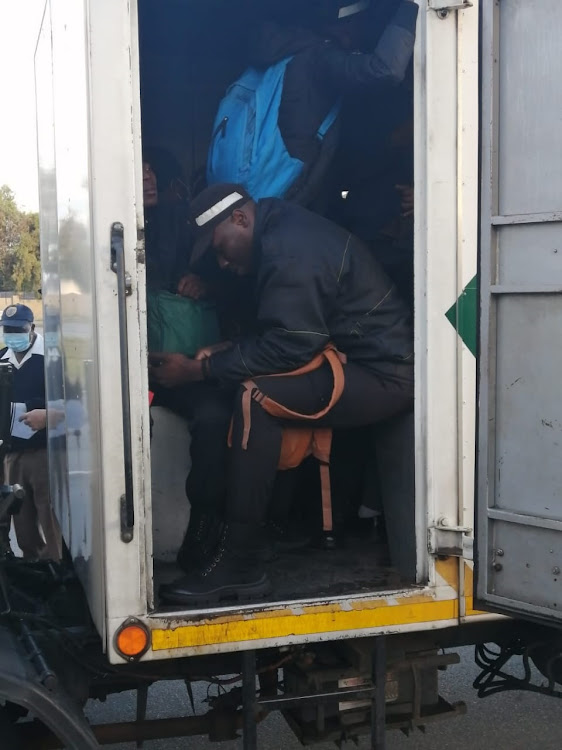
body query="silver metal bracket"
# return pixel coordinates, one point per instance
(444, 7)
(450, 541)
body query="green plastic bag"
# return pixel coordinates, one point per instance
(179, 324)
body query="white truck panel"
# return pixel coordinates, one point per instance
(446, 107)
(115, 134)
(96, 110)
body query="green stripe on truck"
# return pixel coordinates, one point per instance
(463, 315)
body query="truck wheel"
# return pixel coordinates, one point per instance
(547, 659)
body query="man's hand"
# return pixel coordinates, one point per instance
(171, 370)
(208, 351)
(36, 419)
(192, 286)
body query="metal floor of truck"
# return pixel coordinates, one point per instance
(360, 566)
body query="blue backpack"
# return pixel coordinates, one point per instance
(247, 146)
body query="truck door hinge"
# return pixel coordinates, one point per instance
(450, 541)
(443, 7)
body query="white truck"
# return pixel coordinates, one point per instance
(359, 650)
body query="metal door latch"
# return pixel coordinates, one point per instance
(444, 7)
(117, 249)
(450, 541)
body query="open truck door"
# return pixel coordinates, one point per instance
(93, 292)
(519, 495)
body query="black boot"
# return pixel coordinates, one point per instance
(200, 540)
(234, 572)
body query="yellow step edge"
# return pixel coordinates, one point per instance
(328, 619)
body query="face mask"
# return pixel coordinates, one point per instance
(17, 342)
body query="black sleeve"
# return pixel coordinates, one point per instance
(35, 403)
(291, 318)
(386, 65)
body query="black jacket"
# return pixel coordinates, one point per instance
(317, 283)
(319, 74)
(167, 245)
(28, 389)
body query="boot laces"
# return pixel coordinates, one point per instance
(216, 560)
(200, 531)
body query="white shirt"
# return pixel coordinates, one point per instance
(37, 348)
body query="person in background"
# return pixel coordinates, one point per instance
(167, 232)
(26, 463)
(376, 170)
(315, 283)
(168, 250)
(167, 237)
(333, 57)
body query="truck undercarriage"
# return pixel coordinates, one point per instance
(52, 662)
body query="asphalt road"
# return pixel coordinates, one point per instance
(510, 721)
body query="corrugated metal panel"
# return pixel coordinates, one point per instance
(520, 419)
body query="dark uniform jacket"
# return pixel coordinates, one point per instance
(317, 283)
(28, 389)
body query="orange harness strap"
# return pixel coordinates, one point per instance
(321, 445)
(300, 442)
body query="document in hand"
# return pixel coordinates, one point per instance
(20, 429)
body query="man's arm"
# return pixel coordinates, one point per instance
(386, 65)
(291, 318)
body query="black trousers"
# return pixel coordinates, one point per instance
(208, 410)
(366, 399)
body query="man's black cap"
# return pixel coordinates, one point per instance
(17, 316)
(209, 208)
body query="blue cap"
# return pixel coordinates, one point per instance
(17, 316)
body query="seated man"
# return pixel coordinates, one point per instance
(315, 283)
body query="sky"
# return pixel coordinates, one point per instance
(19, 28)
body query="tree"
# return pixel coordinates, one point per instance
(20, 265)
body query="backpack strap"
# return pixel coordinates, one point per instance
(328, 121)
(321, 447)
(246, 414)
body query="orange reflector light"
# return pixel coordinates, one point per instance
(132, 639)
